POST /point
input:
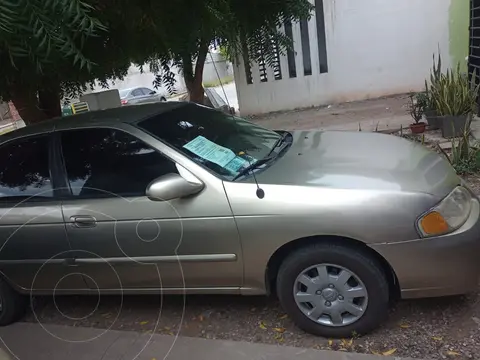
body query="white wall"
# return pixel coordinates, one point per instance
(135, 78)
(374, 48)
(216, 67)
(145, 79)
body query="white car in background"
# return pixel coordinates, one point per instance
(140, 95)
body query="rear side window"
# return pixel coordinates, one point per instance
(24, 169)
(137, 92)
(110, 163)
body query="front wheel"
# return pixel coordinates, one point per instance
(12, 304)
(333, 290)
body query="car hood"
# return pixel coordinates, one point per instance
(361, 160)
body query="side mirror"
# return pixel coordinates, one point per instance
(153, 92)
(172, 186)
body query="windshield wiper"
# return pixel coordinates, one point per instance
(278, 142)
(253, 166)
(266, 159)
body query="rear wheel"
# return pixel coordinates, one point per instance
(12, 304)
(333, 290)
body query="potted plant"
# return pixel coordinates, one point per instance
(454, 98)
(416, 109)
(433, 121)
(424, 102)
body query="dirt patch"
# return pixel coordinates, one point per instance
(382, 113)
(416, 329)
(474, 182)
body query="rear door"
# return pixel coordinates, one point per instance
(34, 250)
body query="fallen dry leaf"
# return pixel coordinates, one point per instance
(262, 325)
(200, 318)
(143, 322)
(283, 317)
(347, 342)
(404, 326)
(452, 353)
(437, 338)
(330, 342)
(389, 352)
(279, 330)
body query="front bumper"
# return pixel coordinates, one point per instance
(439, 266)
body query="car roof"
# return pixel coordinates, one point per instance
(124, 114)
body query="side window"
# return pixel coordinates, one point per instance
(137, 92)
(24, 170)
(146, 91)
(106, 163)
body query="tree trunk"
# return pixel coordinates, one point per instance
(49, 101)
(37, 106)
(196, 92)
(194, 77)
(26, 103)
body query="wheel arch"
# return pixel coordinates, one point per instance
(282, 252)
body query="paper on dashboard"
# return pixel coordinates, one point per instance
(210, 151)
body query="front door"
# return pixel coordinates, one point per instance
(34, 250)
(122, 239)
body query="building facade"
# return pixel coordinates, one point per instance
(353, 50)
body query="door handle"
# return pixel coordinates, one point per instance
(83, 221)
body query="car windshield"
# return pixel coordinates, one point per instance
(222, 143)
(123, 93)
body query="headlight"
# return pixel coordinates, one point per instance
(448, 215)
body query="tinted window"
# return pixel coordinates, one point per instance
(137, 92)
(24, 169)
(106, 162)
(147, 91)
(221, 142)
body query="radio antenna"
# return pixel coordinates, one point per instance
(260, 192)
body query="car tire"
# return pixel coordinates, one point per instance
(331, 255)
(162, 99)
(13, 305)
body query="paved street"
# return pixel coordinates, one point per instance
(54, 342)
(229, 93)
